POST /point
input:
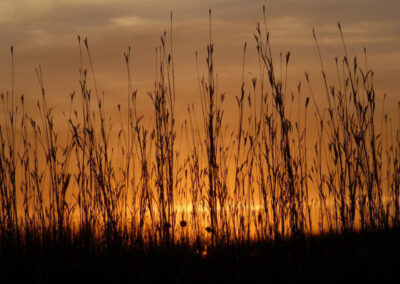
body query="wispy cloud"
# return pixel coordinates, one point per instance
(44, 31)
(129, 21)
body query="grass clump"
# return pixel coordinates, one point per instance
(146, 195)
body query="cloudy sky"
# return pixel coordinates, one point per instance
(45, 32)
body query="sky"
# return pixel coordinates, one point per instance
(44, 32)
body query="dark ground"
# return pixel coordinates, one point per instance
(373, 256)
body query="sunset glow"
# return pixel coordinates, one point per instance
(198, 125)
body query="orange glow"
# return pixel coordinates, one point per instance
(212, 135)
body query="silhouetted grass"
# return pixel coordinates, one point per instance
(372, 256)
(256, 203)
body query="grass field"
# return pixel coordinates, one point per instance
(368, 256)
(208, 200)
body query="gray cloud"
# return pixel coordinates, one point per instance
(44, 32)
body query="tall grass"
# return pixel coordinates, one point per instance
(144, 190)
